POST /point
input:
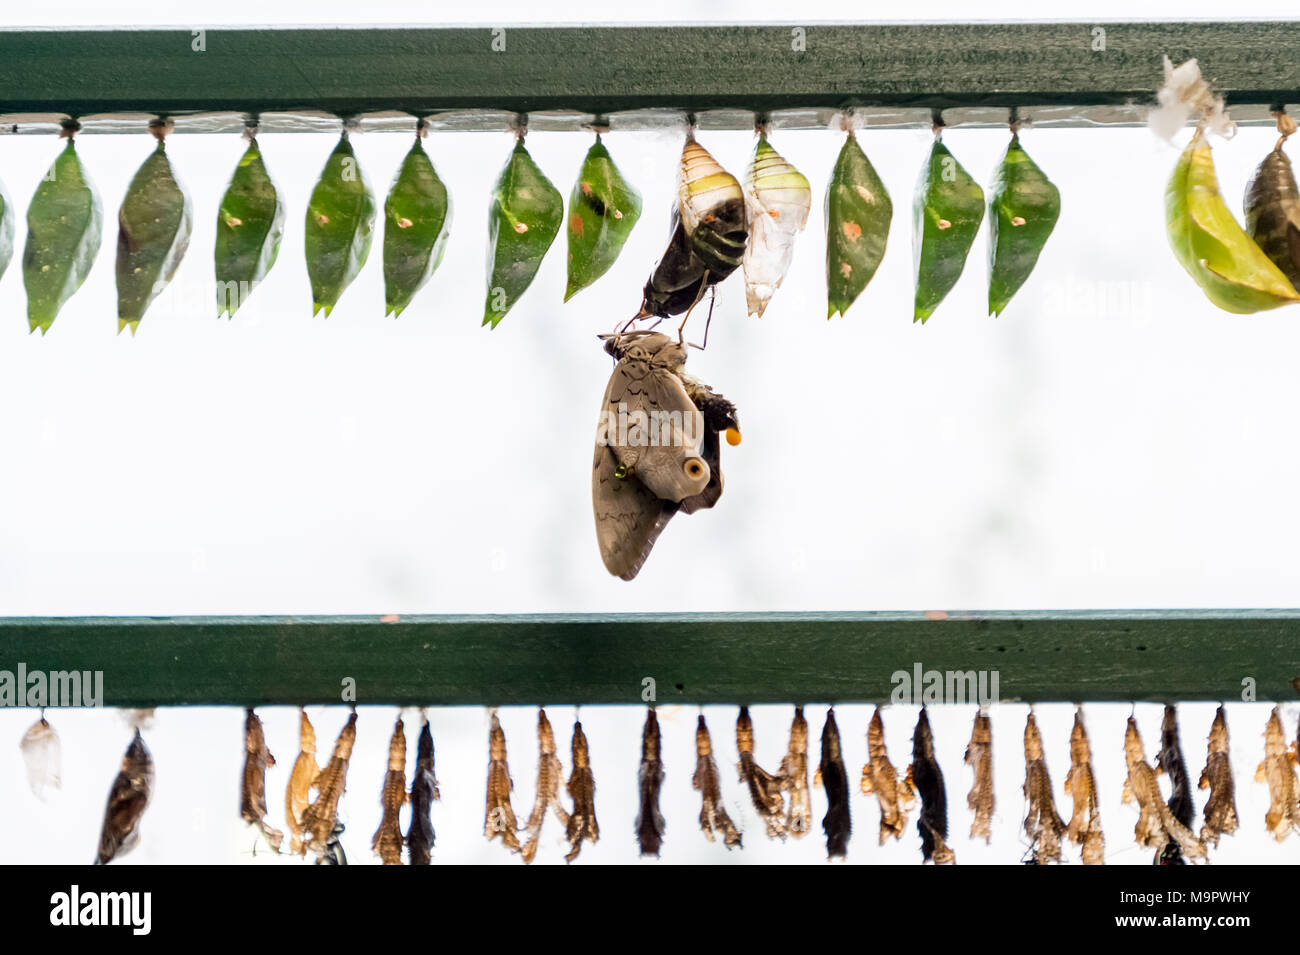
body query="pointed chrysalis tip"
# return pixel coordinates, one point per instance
(132, 323)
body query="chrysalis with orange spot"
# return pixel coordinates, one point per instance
(858, 213)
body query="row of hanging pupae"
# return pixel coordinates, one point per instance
(718, 226)
(782, 799)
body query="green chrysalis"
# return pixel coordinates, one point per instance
(154, 232)
(340, 225)
(858, 212)
(1225, 262)
(523, 221)
(1023, 209)
(65, 226)
(946, 215)
(603, 208)
(417, 218)
(250, 224)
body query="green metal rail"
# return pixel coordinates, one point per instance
(1069, 73)
(692, 658)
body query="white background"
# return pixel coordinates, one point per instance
(1112, 440)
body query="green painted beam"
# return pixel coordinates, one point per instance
(693, 658)
(603, 70)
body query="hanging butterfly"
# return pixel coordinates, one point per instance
(657, 447)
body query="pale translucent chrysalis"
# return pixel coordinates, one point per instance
(43, 756)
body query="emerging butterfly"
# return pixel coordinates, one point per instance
(657, 447)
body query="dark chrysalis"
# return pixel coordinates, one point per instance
(835, 780)
(650, 821)
(927, 777)
(424, 791)
(127, 801)
(1170, 762)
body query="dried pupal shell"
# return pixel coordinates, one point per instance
(764, 788)
(1023, 208)
(320, 819)
(603, 208)
(1216, 252)
(946, 216)
(417, 221)
(523, 221)
(153, 233)
(638, 484)
(499, 816)
(1221, 808)
(777, 200)
(582, 790)
(43, 758)
(979, 757)
(925, 774)
(879, 776)
(794, 778)
(832, 776)
(387, 841)
(64, 229)
(713, 815)
(424, 792)
(1081, 786)
(127, 800)
(1043, 825)
(250, 224)
(340, 226)
(302, 779)
(650, 780)
(1157, 826)
(550, 774)
(858, 213)
(1279, 771)
(1273, 213)
(252, 795)
(7, 216)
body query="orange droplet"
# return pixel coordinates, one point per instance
(733, 436)
(585, 187)
(845, 269)
(322, 219)
(774, 213)
(404, 223)
(575, 224)
(945, 224)
(520, 228)
(852, 231)
(1017, 220)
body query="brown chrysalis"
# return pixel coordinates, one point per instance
(252, 796)
(550, 774)
(127, 800)
(424, 791)
(979, 757)
(1278, 770)
(1043, 825)
(387, 842)
(499, 817)
(657, 447)
(713, 817)
(1081, 786)
(582, 790)
(832, 776)
(302, 779)
(927, 777)
(1221, 808)
(649, 820)
(764, 788)
(1157, 826)
(895, 796)
(321, 818)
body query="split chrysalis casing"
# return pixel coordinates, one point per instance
(979, 757)
(321, 817)
(582, 790)
(499, 817)
(550, 774)
(1081, 785)
(252, 801)
(713, 816)
(1221, 808)
(879, 776)
(764, 788)
(387, 841)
